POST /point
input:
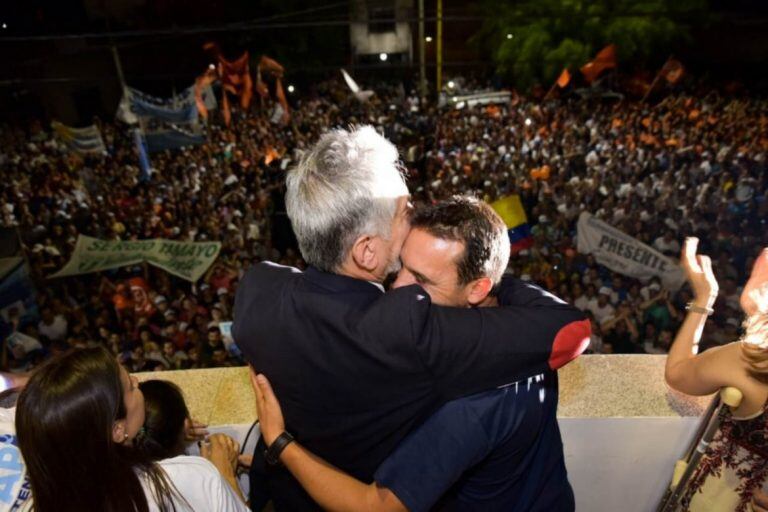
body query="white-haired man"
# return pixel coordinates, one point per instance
(356, 369)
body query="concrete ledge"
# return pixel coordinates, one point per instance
(595, 386)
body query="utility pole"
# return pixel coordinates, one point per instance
(439, 79)
(422, 63)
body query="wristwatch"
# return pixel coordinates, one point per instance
(273, 451)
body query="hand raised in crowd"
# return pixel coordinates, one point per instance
(698, 270)
(222, 451)
(754, 298)
(268, 408)
(194, 430)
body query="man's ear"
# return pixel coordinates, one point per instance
(479, 290)
(118, 431)
(364, 253)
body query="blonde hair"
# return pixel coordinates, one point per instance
(754, 343)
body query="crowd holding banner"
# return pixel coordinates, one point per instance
(188, 260)
(165, 123)
(624, 254)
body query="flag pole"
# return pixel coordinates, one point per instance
(439, 77)
(655, 81)
(422, 53)
(549, 92)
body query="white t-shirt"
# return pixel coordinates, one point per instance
(15, 488)
(201, 485)
(582, 303)
(56, 331)
(601, 313)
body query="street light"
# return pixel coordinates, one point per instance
(383, 57)
(291, 88)
(428, 39)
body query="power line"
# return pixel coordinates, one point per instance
(265, 24)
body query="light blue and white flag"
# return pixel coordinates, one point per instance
(80, 140)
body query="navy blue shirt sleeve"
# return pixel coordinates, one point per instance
(433, 457)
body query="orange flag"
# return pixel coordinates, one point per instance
(271, 155)
(564, 79)
(272, 66)
(261, 87)
(672, 71)
(280, 93)
(235, 77)
(605, 59)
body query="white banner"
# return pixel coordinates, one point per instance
(624, 254)
(187, 260)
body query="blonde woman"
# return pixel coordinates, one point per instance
(735, 464)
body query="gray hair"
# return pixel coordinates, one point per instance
(346, 186)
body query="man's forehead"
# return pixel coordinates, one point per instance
(423, 250)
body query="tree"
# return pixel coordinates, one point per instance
(531, 41)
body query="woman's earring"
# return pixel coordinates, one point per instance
(126, 436)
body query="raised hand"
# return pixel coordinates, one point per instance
(698, 269)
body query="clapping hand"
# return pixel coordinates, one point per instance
(698, 270)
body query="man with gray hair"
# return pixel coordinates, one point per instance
(355, 368)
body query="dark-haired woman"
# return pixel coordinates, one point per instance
(166, 432)
(76, 421)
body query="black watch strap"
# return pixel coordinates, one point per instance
(273, 451)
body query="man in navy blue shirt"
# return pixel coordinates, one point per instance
(495, 450)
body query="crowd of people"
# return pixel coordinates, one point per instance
(685, 166)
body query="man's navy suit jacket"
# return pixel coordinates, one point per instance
(356, 369)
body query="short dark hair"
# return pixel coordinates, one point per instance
(162, 436)
(474, 223)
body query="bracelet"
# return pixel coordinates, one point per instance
(272, 453)
(698, 309)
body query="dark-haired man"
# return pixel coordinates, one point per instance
(495, 450)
